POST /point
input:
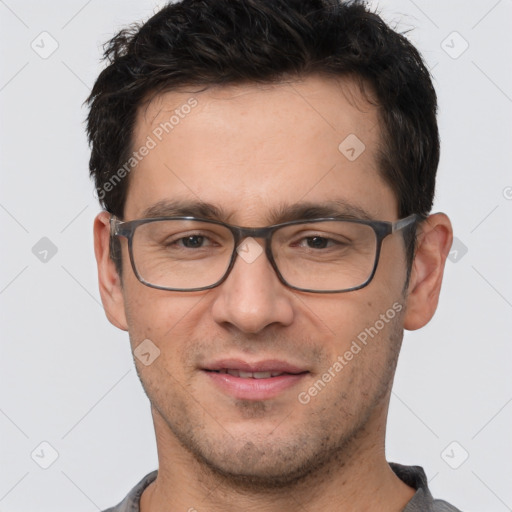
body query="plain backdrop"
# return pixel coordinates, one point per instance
(67, 377)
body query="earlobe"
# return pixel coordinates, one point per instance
(434, 241)
(108, 279)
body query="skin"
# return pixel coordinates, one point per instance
(249, 150)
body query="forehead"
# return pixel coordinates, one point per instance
(313, 105)
(248, 147)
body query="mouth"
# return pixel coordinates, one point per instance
(251, 375)
(261, 380)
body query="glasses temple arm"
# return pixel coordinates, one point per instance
(403, 223)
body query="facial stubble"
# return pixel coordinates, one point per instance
(283, 456)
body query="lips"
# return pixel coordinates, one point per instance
(254, 381)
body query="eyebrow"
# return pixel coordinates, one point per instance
(336, 208)
(181, 208)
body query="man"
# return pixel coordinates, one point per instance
(267, 170)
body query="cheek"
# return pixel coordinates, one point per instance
(343, 317)
(158, 315)
(366, 355)
(365, 330)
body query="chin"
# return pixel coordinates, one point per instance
(255, 471)
(262, 464)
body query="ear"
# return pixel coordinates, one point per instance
(109, 280)
(434, 241)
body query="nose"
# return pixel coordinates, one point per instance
(252, 297)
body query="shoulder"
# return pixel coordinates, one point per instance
(131, 503)
(422, 501)
(443, 506)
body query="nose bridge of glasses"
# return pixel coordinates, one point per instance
(248, 251)
(254, 258)
(263, 232)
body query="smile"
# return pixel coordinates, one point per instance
(262, 380)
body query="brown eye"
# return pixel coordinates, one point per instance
(317, 242)
(193, 241)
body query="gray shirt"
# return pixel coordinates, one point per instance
(413, 476)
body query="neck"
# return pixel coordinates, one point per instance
(356, 478)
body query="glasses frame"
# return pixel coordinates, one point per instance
(382, 229)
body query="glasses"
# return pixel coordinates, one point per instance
(326, 255)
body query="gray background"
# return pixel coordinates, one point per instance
(66, 375)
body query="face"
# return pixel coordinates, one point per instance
(253, 153)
